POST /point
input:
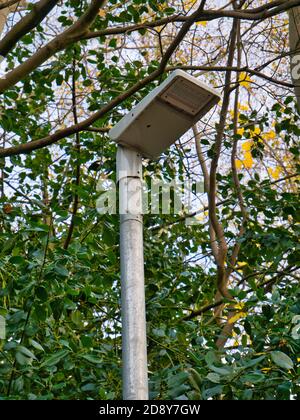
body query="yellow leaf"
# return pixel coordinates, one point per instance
(243, 107)
(202, 23)
(248, 161)
(256, 131)
(245, 80)
(238, 164)
(247, 146)
(236, 317)
(102, 13)
(241, 263)
(239, 305)
(240, 131)
(275, 173)
(298, 359)
(270, 136)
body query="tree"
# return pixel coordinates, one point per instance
(223, 292)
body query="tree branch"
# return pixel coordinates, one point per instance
(212, 233)
(84, 125)
(237, 69)
(204, 309)
(279, 275)
(222, 246)
(235, 176)
(53, 138)
(76, 33)
(228, 327)
(254, 14)
(39, 11)
(8, 4)
(260, 13)
(68, 37)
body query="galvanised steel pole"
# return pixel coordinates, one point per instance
(134, 344)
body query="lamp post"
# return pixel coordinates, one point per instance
(163, 116)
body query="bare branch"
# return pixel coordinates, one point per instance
(244, 69)
(68, 37)
(204, 309)
(39, 11)
(259, 13)
(222, 251)
(8, 4)
(201, 158)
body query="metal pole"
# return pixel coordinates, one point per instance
(134, 345)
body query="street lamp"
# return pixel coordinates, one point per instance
(163, 116)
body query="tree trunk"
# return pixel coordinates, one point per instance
(294, 29)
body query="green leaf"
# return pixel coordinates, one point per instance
(211, 358)
(178, 391)
(26, 352)
(88, 387)
(86, 341)
(61, 270)
(226, 370)
(108, 235)
(36, 345)
(18, 260)
(214, 377)
(282, 360)
(41, 293)
(40, 312)
(57, 307)
(268, 311)
(211, 392)
(22, 359)
(253, 378)
(55, 358)
(247, 394)
(76, 318)
(196, 377)
(91, 358)
(253, 362)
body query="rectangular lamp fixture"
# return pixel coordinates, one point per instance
(165, 114)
